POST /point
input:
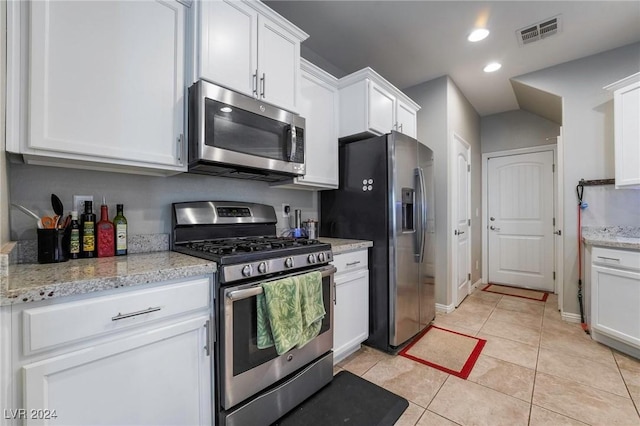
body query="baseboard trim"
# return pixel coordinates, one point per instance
(476, 284)
(445, 309)
(569, 317)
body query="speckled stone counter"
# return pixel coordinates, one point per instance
(341, 245)
(23, 283)
(626, 237)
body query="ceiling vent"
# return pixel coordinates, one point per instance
(538, 31)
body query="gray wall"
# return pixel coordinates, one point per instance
(516, 129)
(446, 111)
(4, 187)
(588, 142)
(432, 131)
(146, 199)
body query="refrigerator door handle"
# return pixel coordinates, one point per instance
(423, 213)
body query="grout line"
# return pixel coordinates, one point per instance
(535, 375)
(635, 405)
(560, 414)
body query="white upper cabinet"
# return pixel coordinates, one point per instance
(626, 104)
(105, 85)
(247, 47)
(369, 104)
(319, 108)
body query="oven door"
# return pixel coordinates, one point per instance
(245, 370)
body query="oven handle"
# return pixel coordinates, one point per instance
(257, 289)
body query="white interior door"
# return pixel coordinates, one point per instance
(461, 209)
(520, 223)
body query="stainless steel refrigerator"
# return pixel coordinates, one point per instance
(386, 195)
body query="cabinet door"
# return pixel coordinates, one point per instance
(106, 80)
(627, 135)
(229, 45)
(381, 109)
(351, 313)
(615, 303)
(278, 64)
(406, 119)
(159, 377)
(319, 107)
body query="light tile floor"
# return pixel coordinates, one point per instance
(535, 369)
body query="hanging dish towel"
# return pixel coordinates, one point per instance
(290, 312)
(282, 324)
(312, 306)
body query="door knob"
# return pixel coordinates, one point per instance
(558, 232)
(492, 218)
(456, 232)
(493, 228)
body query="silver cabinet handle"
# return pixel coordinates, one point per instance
(263, 85)
(401, 131)
(493, 228)
(255, 84)
(135, 314)
(609, 258)
(180, 145)
(353, 263)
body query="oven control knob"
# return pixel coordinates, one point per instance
(262, 267)
(311, 258)
(288, 262)
(321, 257)
(247, 270)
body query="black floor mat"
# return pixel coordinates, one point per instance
(347, 400)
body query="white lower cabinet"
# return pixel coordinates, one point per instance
(615, 298)
(147, 365)
(351, 310)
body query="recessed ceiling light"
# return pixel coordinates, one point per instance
(478, 34)
(493, 66)
(226, 109)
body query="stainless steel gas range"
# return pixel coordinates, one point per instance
(255, 386)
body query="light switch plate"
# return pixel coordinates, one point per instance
(78, 202)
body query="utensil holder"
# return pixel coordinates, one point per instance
(53, 245)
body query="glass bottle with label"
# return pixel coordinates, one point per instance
(105, 234)
(74, 239)
(88, 247)
(120, 223)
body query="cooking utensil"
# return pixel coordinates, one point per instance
(49, 222)
(58, 208)
(29, 213)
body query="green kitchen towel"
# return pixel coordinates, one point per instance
(312, 305)
(284, 314)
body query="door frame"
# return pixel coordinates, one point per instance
(557, 209)
(453, 264)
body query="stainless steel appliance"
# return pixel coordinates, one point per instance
(234, 135)
(255, 386)
(386, 195)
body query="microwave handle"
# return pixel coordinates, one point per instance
(294, 142)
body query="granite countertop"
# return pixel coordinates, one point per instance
(626, 237)
(341, 245)
(21, 283)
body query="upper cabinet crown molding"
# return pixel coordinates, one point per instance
(626, 106)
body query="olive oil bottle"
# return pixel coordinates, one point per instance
(120, 224)
(88, 246)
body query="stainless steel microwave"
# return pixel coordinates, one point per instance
(233, 135)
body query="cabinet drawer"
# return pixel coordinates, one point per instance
(53, 325)
(351, 261)
(616, 258)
